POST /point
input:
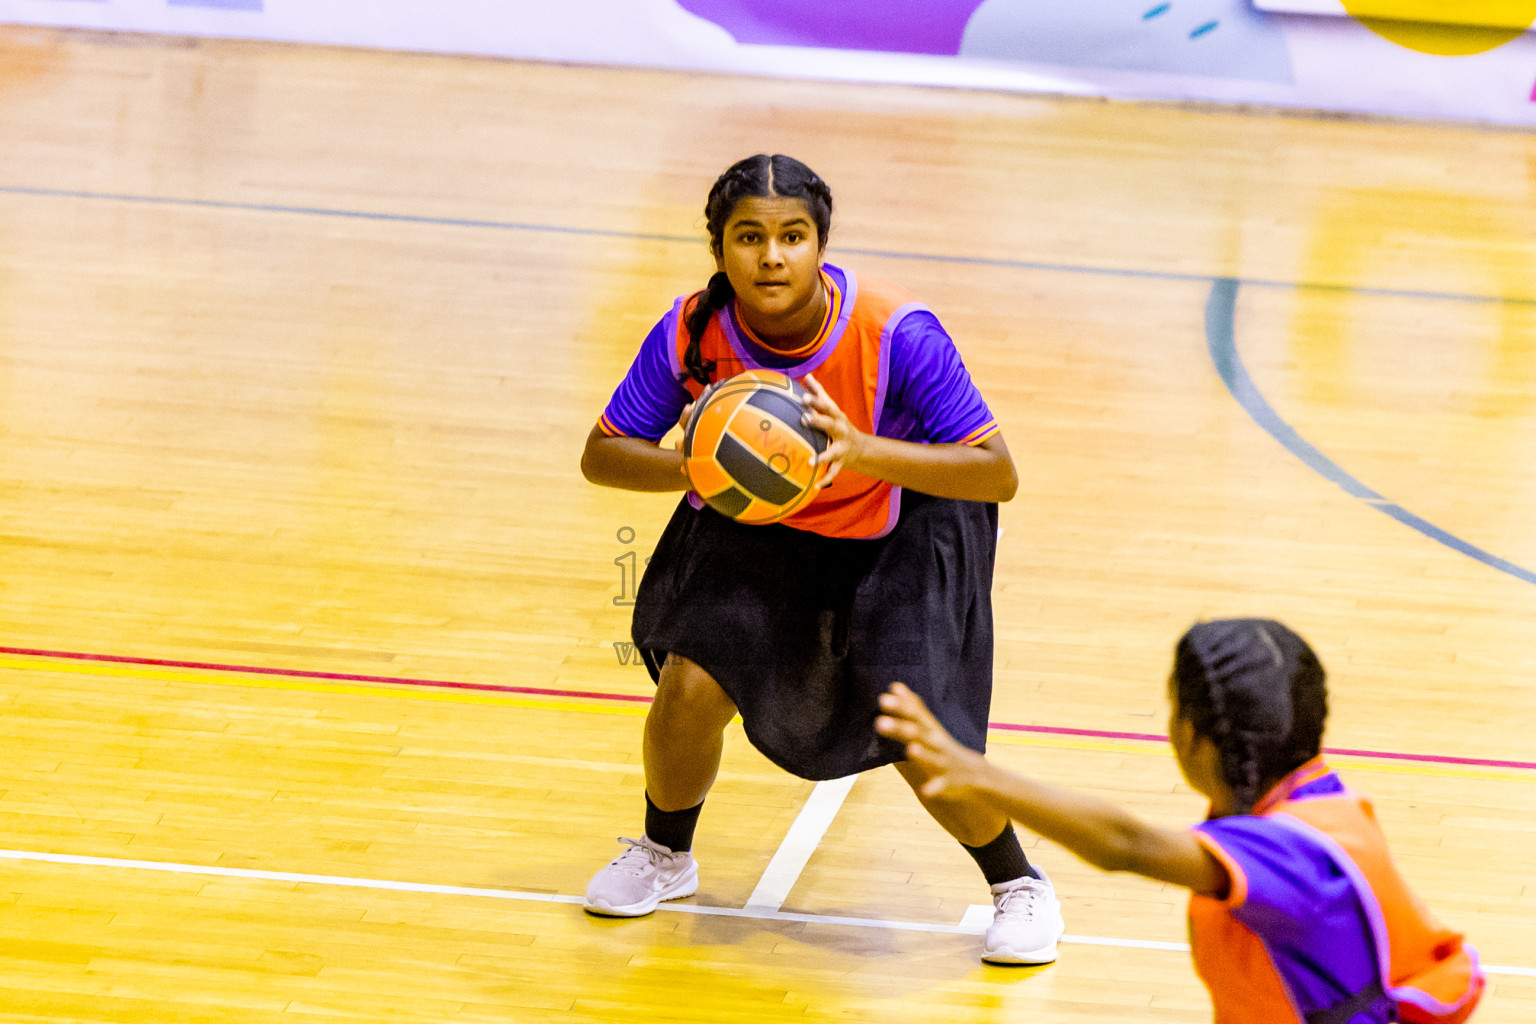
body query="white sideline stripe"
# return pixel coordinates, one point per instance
(795, 851)
(544, 897)
(977, 918)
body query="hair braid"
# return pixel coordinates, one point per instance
(1239, 756)
(716, 296)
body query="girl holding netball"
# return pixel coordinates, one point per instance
(1296, 910)
(886, 573)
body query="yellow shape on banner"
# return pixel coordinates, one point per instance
(1448, 29)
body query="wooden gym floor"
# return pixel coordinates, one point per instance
(310, 696)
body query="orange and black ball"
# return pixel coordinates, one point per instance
(746, 452)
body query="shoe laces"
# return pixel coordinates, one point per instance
(1025, 899)
(642, 855)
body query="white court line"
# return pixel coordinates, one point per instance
(544, 897)
(798, 845)
(977, 918)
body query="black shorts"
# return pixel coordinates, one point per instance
(804, 632)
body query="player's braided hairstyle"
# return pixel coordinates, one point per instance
(1256, 690)
(763, 176)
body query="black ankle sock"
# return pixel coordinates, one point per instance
(672, 829)
(1001, 860)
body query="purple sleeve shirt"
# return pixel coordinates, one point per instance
(650, 398)
(1301, 905)
(929, 399)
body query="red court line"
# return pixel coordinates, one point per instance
(1063, 731)
(1385, 754)
(594, 695)
(294, 673)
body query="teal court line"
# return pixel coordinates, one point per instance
(1220, 336)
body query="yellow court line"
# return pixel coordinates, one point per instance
(594, 707)
(1437, 770)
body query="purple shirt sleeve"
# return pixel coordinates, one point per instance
(930, 397)
(1302, 905)
(649, 400)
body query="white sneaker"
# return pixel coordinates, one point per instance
(1026, 923)
(640, 878)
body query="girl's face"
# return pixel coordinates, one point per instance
(1199, 760)
(772, 254)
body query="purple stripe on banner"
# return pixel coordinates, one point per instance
(223, 5)
(899, 26)
(1053, 730)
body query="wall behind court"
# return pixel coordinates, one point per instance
(1361, 56)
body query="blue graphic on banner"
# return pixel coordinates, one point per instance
(1225, 38)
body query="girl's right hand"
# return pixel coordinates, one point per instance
(687, 413)
(682, 421)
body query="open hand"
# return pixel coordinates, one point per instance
(682, 421)
(951, 768)
(845, 442)
(687, 413)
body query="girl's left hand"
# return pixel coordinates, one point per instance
(845, 442)
(952, 769)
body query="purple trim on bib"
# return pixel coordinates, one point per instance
(1367, 896)
(1320, 788)
(886, 340)
(672, 323)
(1424, 1001)
(796, 371)
(893, 513)
(728, 325)
(1405, 994)
(1428, 1003)
(1363, 891)
(835, 335)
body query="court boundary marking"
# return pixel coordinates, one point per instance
(1220, 332)
(1221, 341)
(799, 844)
(646, 236)
(751, 913)
(408, 684)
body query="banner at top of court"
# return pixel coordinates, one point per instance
(1372, 57)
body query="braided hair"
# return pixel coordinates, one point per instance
(1255, 690)
(760, 176)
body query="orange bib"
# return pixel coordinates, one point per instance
(853, 364)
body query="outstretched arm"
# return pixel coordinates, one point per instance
(1096, 830)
